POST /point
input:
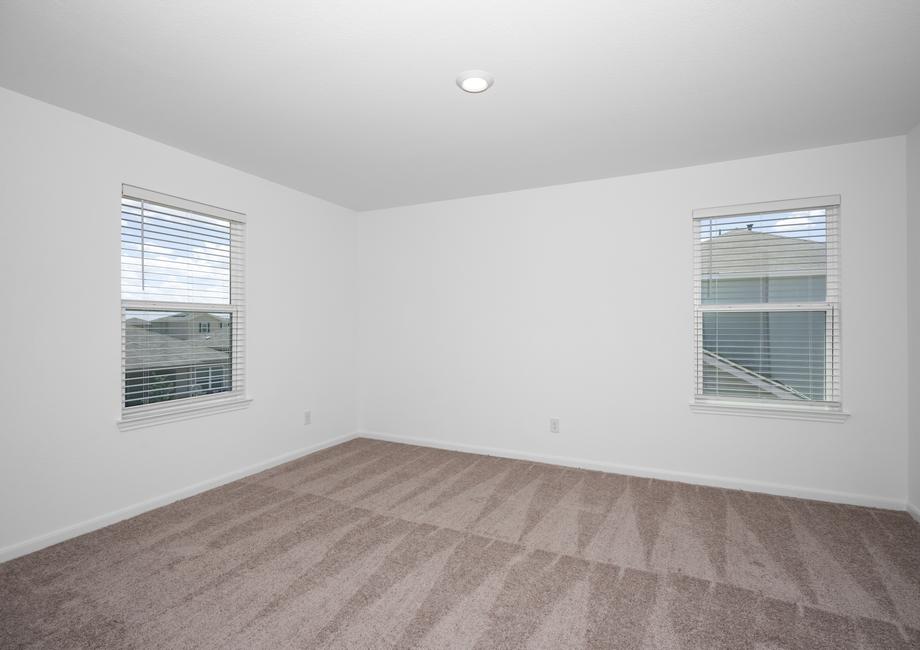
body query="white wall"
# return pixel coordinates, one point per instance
(481, 318)
(913, 245)
(477, 320)
(63, 461)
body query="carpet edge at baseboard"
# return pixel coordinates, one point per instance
(38, 542)
(644, 472)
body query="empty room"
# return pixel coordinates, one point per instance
(388, 324)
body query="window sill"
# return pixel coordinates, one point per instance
(154, 418)
(810, 414)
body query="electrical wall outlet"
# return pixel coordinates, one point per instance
(307, 417)
(554, 425)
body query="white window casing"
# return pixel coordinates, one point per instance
(766, 296)
(183, 309)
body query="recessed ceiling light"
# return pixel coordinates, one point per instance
(475, 81)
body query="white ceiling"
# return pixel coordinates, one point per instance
(354, 101)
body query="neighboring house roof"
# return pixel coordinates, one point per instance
(191, 317)
(147, 349)
(762, 254)
(185, 326)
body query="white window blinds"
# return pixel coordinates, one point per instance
(183, 308)
(767, 303)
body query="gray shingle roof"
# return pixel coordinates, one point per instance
(147, 349)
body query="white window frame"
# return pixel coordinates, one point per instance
(826, 411)
(134, 417)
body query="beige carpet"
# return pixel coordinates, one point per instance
(377, 545)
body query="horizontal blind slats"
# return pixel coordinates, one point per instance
(765, 292)
(183, 334)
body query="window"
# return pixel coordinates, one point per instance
(183, 318)
(767, 308)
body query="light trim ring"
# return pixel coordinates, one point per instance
(475, 81)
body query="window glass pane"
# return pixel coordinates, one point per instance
(173, 255)
(802, 288)
(773, 355)
(169, 356)
(764, 258)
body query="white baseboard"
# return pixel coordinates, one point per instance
(41, 541)
(647, 472)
